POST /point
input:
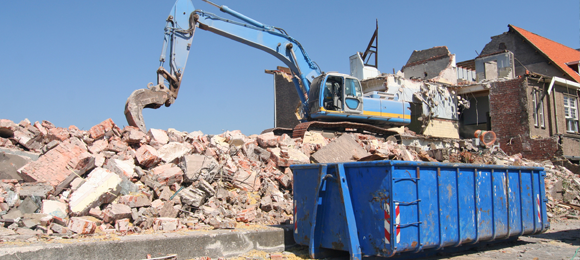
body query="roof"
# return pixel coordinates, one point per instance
(558, 53)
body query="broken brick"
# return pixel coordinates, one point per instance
(135, 201)
(268, 140)
(54, 166)
(7, 128)
(147, 156)
(166, 224)
(247, 215)
(122, 225)
(99, 130)
(168, 174)
(98, 146)
(81, 225)
(133, 135)
(58, 133)
(117, 145)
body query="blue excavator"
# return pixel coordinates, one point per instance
(331, 100)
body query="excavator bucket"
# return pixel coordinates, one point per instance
(179, 30)
(143, 98)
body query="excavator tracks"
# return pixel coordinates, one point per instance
(302, 128)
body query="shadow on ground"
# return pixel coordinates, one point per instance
(302, 251)
(571, 236)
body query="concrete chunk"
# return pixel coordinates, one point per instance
(246, 180)
(14, 213)
(314, 138)
(173, 150)
(198, 166)
(159, 136)
(116, 211)
(28, 206)
(101, 187)
(122, 167)
(166, 224)
(54, 208)
(343, 149)
(10, 163)
(192, 197)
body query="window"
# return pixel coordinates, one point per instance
(538, 108)
(352, 88)
(571, 113)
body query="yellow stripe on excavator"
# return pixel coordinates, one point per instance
(371, 113)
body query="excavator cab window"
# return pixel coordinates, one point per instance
(352, 88)
(333, 88)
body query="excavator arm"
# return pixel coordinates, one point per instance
(179, 32)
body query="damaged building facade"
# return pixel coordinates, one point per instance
(522, 86)
(526, 91)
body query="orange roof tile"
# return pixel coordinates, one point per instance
(558, 53)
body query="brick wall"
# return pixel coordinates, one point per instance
(510, 121)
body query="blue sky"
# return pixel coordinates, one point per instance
(76, 62)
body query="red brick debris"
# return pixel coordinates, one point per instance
(113, 180)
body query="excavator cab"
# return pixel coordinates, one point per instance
(335, 93)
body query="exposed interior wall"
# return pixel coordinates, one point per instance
(442, 128)
(476, 117)
(496, 66)
(441, 70)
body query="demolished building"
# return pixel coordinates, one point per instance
(526, 90)
(522, 86)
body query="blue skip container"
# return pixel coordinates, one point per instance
(388, 208)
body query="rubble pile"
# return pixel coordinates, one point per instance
(109, 179)
(562, 191)
(112, 180)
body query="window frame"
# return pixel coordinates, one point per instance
(538, 107)
(570, 104)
